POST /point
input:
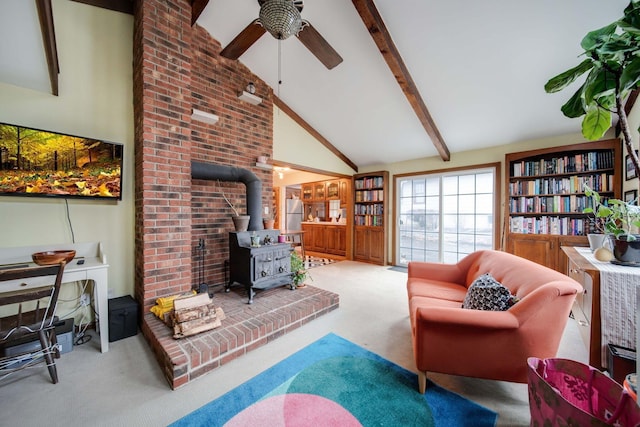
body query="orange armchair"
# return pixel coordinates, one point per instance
(486, 344)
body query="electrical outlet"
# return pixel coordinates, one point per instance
(84, 300)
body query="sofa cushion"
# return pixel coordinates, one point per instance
(486, 293)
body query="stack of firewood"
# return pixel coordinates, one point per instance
(195, 314)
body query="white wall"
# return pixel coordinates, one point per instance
(294, 145)
(95, 100)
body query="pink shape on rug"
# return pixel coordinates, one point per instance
(293, 410)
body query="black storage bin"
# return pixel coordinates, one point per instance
(622, 361)
(123, 318)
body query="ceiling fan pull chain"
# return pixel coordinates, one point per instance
(279, 65)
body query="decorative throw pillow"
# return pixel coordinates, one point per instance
(486, 293)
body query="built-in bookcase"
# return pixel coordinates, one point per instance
(545, 196)
(370, 194)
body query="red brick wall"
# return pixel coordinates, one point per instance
(176, 68)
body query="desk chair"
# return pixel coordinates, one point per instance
(29, 313)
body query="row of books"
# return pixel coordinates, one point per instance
(574, 184)
(590, 161)
(370, 196)
(370, 220)
(564, 226)
(554, 204)
(375, 209)
(369, 182)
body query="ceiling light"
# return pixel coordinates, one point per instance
(281, 18)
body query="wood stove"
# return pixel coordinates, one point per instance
(259, 267)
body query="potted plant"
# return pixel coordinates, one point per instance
(240, 222)
(621, 221)
(612, 61)
(300, 274)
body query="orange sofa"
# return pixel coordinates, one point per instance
(479, 343)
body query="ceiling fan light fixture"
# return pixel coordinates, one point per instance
(280, 18)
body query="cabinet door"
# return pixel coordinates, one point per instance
(360, 243)
(319, 241)
(344, 190)
(376, 245)
(308, 236)
(318, 192)
(333, 190)
(540, 249)
(336, 240)
(307, 192)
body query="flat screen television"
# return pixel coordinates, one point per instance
(39, 163)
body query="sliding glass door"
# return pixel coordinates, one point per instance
(443, 217)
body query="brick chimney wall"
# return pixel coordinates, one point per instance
(176, 68)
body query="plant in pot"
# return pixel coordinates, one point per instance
(621, 221)
(612, 63)
(300, 274)
(240, 222)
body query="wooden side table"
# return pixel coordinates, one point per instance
(586, 308)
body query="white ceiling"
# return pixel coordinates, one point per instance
(480, 67)
(22, 59)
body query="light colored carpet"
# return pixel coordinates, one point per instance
(125, 386)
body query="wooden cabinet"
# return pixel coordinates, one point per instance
(370, 192)
(344, 191)
(333, 190)
(336, 239)
(369, 245)
(586, 308)
(544, 197)
(307, 192)
(318, 192)
(325, 238)
(544, 249)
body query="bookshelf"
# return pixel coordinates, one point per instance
(545, 197)
(370, 195)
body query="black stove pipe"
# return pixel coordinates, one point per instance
(253, 184)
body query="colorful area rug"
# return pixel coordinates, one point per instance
(314, 261)
(333, 382)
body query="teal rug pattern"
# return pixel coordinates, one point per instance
(333, 382)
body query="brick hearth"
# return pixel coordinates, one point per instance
(273, 313)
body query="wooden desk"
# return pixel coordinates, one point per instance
(606, 312)
(95, 268)
(586, 308)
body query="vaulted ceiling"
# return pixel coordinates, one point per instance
(419, 78)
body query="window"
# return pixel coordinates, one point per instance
(444, 216)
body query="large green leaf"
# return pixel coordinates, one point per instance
(562, 80)
(617, 46)
(629, 27)
(630, 75)
(596, 37)
(595, 123)
(600, 83)
(574, 107)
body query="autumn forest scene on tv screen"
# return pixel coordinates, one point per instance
(35, 162)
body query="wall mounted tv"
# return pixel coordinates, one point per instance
(40, 163)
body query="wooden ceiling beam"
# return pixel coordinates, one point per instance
(306, 126)
(378, 30)
(45, 14)
(197, 6)
(124, 6)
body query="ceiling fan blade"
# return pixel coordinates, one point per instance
(243, 41)
(318, 46)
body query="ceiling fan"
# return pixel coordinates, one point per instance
(281, 18)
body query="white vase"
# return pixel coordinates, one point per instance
(596, 241)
